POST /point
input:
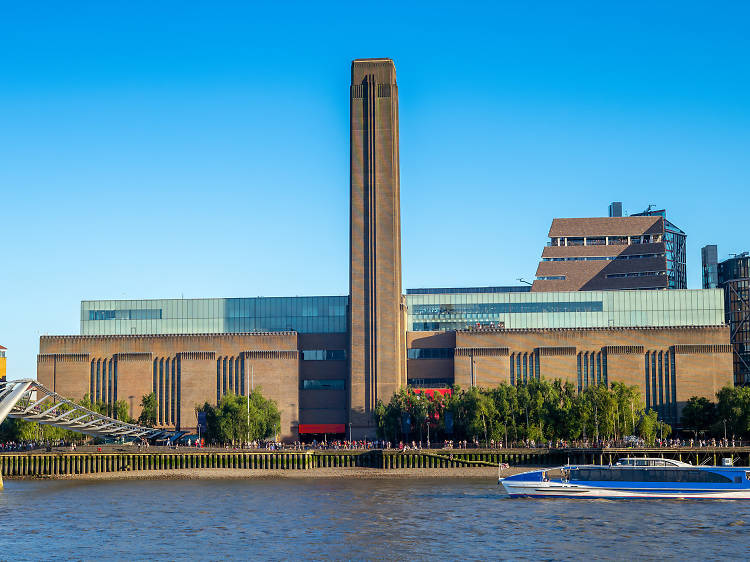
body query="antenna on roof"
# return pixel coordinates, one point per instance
(522, 280)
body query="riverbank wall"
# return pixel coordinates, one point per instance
(41, 464)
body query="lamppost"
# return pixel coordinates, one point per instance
(247, 386)
(350, 433)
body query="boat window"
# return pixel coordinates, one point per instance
(647, 475)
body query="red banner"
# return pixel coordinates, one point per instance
(322, 428)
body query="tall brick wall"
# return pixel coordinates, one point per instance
(701, 356)
(184, 369)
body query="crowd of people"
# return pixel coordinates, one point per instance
(367, 444)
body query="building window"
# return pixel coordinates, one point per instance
(430, 353)
(470, 311)
(430, 383)
(324, 355)
(635, 274)
(648, 382)
(551, 278)
(129, 314)
(327, 384)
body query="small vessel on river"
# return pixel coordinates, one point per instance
(633, 478)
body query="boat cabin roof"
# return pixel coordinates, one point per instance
(649, 461)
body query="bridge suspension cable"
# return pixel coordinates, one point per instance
(30, 400)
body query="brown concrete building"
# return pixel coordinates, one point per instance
(606, 253)
(328, 360)
(376, 345)
(669, 365)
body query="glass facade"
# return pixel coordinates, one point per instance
(449, 290)
(710, 263)
(578, 309)
(734, 278)
(208, 316)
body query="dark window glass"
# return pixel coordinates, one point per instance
(430, 383)
(331, 384)
(430, 353)
(505, 308)
(324, 355)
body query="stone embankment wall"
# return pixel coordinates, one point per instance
(55, 464)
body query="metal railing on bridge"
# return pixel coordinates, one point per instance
(30, 400)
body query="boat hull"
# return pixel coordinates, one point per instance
(572, 490)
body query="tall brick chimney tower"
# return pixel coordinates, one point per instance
(376, 331)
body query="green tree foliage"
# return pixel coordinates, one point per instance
(540, 410)
(148, 410)
(229, 422)
(699, 415)
(734, 408)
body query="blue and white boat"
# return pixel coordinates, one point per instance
(633, 478)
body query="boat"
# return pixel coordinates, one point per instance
(633, 478)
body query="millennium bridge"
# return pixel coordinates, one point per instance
(30, 400)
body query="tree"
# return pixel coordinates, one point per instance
(148, 410)
(698, 415)
(733, 408)
(237, 419)
(647, 427)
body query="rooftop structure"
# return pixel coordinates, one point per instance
(733, 276)
(576, 309)
(323, 314)
(643, 251)
(710, 263)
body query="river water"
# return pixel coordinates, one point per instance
(337, 518)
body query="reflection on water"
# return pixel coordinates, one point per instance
(345, 519)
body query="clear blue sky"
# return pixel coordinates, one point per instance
(200, 149)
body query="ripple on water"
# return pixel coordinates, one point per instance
(357, 519)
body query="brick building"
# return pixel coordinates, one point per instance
(643, 251)
(327, 360)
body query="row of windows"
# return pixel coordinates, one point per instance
(303, 325)
(430, 353)
(128, 314)
(523, 368)
(231, 377)
(323, 384)
(469, 290)
(592, 370)
(166, 386)
(217, 309)
(635, 274)
(506, 308)
(661, 384)
(324, 355)
(647, 475)
(551, 278)
(430, 383)
(605, 240)
(103, 381)
(607, 258)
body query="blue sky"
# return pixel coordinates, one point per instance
(200, 149)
